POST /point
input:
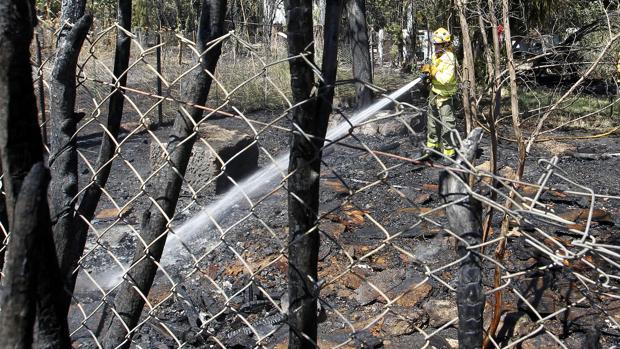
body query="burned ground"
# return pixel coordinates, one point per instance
(386, 264)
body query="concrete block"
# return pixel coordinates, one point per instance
(218, 152)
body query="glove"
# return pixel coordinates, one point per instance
(433, 71)
(425, 78)
(426, 68)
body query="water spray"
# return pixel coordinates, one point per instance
(261, 182)
(264, 180)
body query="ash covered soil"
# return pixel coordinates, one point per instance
(372, 237)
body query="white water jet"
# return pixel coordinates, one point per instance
(261, 182)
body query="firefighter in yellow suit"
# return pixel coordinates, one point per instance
(442, 72)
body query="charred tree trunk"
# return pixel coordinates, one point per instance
(21, 148)
(31, 289)
(64, 120)
(52, 331)
(73, 248)
(18, 156)
(493, 70)
(180, 16)
(360, 50)
(162, 19)
(303, 184)
(310, 119)
(41, 88)
(19, 293)
(129, 301)
(16, 23)
(71, 11)
(464, 219)
(490, 121)
(333, 12)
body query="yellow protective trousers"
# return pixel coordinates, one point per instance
(440, 123)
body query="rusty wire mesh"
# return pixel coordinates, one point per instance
(387, 261)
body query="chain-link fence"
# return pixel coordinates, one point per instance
(403, 251)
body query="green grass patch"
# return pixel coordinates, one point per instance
(581, 111)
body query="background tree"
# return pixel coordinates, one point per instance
(129, 300)
(64, 119)
(310, 119)
(143, 14)
(92, 195)
(360, 50)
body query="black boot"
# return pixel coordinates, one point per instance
(448, 159)
(427, 154)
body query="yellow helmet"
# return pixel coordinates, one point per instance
(441, 36)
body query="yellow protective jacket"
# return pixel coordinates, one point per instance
(618, 67)
(443, 74)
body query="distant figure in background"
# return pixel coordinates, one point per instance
(440, 118)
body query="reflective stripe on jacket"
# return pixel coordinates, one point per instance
(444, 79)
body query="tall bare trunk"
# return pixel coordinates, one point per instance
(360, 50)
(129, 301)
(494, 112)
(489, 118)
(303, 187)
(485, 42)
(64, 120)
(20, 153)
(19, 298)
(31, 288)
(514, 100)
(73, 249)
(413, 35)
(469, 72)
(496, 92)
(516, 124)
(310, 125)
